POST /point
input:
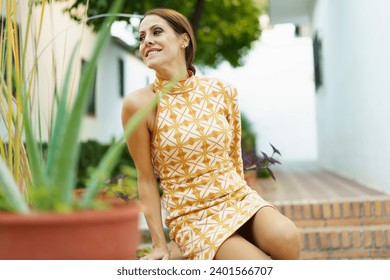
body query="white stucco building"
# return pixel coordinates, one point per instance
(352, 44)
(276, 93)
(118, 71)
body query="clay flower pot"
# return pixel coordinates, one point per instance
(91, 234)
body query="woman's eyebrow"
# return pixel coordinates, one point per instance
(154, 25)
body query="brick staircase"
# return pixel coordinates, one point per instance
(355, 229)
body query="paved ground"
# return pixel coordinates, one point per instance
(306, 181)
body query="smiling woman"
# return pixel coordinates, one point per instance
(170, 40)
(192, 143)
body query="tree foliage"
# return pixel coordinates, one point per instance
(225, 29)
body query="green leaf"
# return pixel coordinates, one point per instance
(56, 132)
(35, 157)
(11, 190)
(65, 164)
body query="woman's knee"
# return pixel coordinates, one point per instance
(286, 241)
(277, 235)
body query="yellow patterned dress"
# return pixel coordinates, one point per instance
(196, 154)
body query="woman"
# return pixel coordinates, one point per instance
(192, 143)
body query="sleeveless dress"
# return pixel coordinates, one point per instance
(196, 153)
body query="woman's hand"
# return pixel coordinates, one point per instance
(157, 254)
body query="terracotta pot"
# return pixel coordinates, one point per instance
(91, 234)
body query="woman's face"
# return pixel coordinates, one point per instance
(160, 46)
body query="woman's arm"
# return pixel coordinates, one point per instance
(234, 119)
(139, 147)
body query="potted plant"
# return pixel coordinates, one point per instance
(41, 215)
(255, 165)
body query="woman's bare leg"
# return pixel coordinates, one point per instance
(174, 251)
(238, 248)
(267, 234)
(275, 234)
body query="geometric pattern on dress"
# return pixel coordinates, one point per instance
(196, 153)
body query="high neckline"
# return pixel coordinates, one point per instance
(170, 87)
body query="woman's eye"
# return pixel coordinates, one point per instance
(157, 31)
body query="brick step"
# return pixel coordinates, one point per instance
(370, 211)
(346, 242)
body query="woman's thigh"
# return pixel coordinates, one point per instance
(274, 234)
(237, 247)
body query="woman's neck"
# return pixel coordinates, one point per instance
(173, 74)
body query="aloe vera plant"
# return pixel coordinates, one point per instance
(49, 181)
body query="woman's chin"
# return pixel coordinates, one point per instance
(151, 62)
(151, 65)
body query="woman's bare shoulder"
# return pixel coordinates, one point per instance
(138, 98)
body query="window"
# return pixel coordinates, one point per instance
(91, 109)
(317, 55)
(121, 70)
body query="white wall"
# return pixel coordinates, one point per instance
(276, 92)
(353, 105)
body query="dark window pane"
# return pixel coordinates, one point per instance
(91, 109)
(121, 69)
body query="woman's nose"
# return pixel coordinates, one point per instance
(149, 40)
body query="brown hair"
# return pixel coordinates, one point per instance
(181, 25)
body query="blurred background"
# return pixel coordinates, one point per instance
(313, 81)
(312, 74)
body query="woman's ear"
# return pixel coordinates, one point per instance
(185, 40)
